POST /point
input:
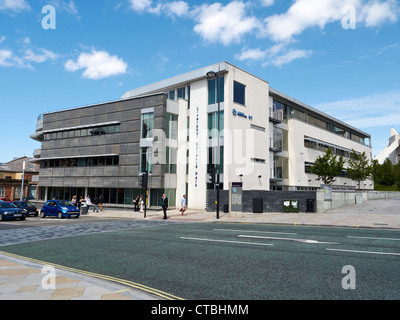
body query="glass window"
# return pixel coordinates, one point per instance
(145, 159)
(171, 159)
(2, 192)
(172, 126)
(171, 95)
(181, 93)
(213, 124)
(213, 90)
(147, 124)
(239, 91)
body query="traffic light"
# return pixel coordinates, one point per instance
(211, 175)
(144, 180)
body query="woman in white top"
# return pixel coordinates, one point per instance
(183, 205)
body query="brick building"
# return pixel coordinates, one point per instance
(11, 179)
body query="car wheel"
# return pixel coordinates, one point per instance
(1, 217)
(22, 219)
(59, 215)
(42, 215)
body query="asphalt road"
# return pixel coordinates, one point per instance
(222, 261)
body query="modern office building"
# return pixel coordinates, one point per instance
(267, 140)
(392, 151)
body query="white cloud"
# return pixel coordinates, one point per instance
(171, 8)
(304, 14)
(2, 39)
(375, 13)
(14, 5)
(275, 55)
(9, 59)
(225, 24)
(367, 112)
(43, 55)
(252, 54)
(6, 58)
(290, 56)
(140, 5)
(97, 65)
(64, 5)
(177, 8)
(267, 3)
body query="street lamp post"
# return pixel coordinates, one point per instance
(22, 183)
(217, 75)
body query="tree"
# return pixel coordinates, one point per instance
(359, 168)
(328, 167)
(387, 172)
(396, 174)
(376, 172)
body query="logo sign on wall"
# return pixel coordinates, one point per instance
(241, 114)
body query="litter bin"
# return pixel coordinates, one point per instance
(291, 206)
(226, 208)
(258, 204)
(310, 205)
(84, 208)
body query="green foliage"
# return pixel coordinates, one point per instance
(328, 167)
(386, 176)
(358, 168)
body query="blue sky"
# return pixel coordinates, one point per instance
(341, 56)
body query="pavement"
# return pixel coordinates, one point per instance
(26, 279)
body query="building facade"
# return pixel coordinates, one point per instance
(11, 175)
(267, 140)
(392, 151)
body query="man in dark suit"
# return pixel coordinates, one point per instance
(164, 205)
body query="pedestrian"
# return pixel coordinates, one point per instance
(136, 203)
(164, 200)
(141, 202)
(73, 201)
(183, 205)
(95, 202)
(88, 202)
(101, 201)
(80, 202)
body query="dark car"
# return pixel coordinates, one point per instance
(28, 206)
(60, 209)
(9, 211)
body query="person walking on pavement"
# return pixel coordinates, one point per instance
(183, 205)
(141, 203)
(101, 201)
(164, 200)
(88, 202)
(95, 202)
(136, 203)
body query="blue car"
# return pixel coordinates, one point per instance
(60, 209)
(9, 211)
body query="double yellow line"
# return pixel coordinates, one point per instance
(127, 283)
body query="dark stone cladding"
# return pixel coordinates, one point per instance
(272, 200)
(126, 144)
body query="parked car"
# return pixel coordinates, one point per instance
(60, 209)
(9, 211)
(28, 206)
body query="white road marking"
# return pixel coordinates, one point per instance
(370, 252)
(289, 239)
(232, 230)
(392, 239)
(226, 241)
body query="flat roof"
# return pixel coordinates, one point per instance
(310, 109)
